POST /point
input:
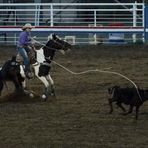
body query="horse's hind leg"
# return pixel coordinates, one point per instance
(111, 105)
(18, 86)
(52, 85)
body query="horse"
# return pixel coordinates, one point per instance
(41, 65)
(10, 71)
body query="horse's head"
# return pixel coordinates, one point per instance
(64, 45)
(58, 44)
(54, 44)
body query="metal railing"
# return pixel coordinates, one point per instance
(71, 15)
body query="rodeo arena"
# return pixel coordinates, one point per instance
(73, 74)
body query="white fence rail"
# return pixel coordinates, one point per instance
(81, 15)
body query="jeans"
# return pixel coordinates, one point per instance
(24, 54)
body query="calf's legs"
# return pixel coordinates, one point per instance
(111, 105)
(110, 100)
(137, 111)
(120, 105)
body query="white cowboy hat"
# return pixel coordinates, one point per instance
(27, 26)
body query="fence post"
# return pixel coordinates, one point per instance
(36, 12)
(143, 21)
(51, 15)
(146, 23)
(95, 24)
(134, 19)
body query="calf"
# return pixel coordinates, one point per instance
(128, 96)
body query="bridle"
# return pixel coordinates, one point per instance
(54, 49)
(54, 40)
(63, 46)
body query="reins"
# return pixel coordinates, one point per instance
(44, 45)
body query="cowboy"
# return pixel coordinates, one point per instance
(24, 46)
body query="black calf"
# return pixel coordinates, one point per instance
(128, 96)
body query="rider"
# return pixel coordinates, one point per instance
(24, 46)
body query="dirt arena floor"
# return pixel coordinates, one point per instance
(78, 116)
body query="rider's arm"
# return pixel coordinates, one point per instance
(24, 39)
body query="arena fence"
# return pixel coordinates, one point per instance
(79, 23)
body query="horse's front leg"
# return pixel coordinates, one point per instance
(44, 80)
(23, 76)
(18, 86)
(46, 90)
(48, 77)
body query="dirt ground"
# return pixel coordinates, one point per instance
(78, 116)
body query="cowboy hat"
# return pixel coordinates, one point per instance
(27, 26)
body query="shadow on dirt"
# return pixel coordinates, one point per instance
(19, 97)
(25, 98)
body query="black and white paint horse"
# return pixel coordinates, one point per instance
(44, 57)
(41, 65)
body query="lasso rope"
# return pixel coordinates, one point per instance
(102, 71)
(95, 70)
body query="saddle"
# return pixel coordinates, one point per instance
(31, 56)
(32, 59)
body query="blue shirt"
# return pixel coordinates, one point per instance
(24, 39)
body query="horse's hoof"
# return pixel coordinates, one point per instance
(44, 97)
(31, 95)
(52, 94)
